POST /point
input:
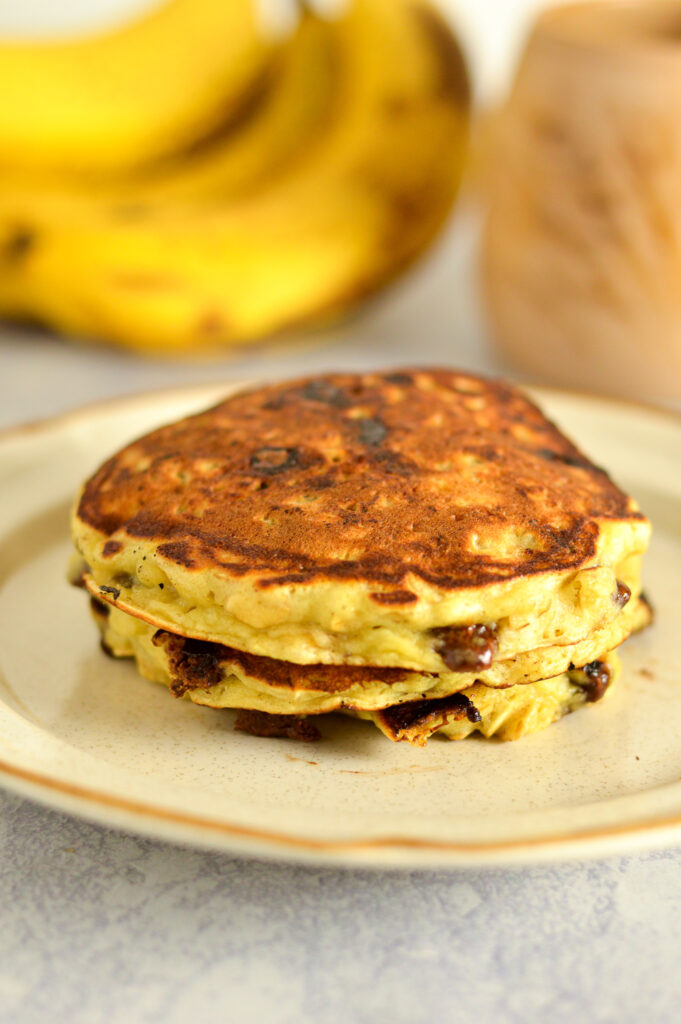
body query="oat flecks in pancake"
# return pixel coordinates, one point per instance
(448, 477)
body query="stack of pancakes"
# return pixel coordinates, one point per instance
(420, 548)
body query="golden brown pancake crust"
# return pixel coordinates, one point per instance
(452, 478)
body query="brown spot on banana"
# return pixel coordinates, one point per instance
(19, 243)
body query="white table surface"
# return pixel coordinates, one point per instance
(98, 926)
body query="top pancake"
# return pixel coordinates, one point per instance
(419, 497)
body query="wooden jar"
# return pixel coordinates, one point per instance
(581, 255)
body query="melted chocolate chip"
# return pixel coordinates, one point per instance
(323, 391)
(372, 431)
(402, 717)
(99, 607)
(597, 680)
(466, 648)
(270, 461)
(194, 664)
(622, 595)
(114, 591)
(472, 713)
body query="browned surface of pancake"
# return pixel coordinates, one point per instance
(290, 727)
(453, 478)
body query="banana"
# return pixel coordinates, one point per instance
(125, 97)
(204, 269)
(288, 111)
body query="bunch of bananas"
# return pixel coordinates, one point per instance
(186, 183)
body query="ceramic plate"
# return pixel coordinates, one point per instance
(85, 734)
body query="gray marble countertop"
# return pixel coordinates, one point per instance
(98, 926)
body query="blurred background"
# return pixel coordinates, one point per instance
(492, 31)
(199, 189)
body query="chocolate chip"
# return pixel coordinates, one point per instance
(597, 680)
(100, 608)
(270, 461)
(194, 664)
(114, 591)
(466, 648)
(323, 391)
(472, 713)
(422, 713)
(621, 595)
(372, 431)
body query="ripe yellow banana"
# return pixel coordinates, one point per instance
(289, 110)
(207, 267)
(127, 96)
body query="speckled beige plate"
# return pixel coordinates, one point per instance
(86, 735)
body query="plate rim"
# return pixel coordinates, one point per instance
(175, 825)
(91, 804)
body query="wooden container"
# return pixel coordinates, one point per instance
(581, 255)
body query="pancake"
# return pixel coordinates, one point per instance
(221, 677)
(424, 519)
(276, 698)
(503, 714)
